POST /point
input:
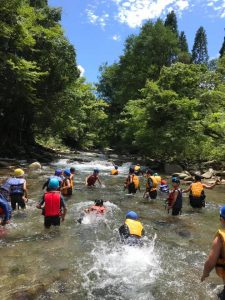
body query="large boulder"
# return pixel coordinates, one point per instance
(172, 168)
(180, 175)
(209, 174)
(35, 166)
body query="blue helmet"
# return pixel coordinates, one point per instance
(53, 184)
(176, 180)
(58, 172)
(116, 167)
(131, 215)
(96, 170)
(222, 212)
(67, 172)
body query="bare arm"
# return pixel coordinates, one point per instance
(25, 189)
(210, 187)
(99, 181)
(187, 190)
(212, 258)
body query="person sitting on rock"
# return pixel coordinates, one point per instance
(197, 195)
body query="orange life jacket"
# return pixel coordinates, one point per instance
(154, 182)
(197, 189)
(220, 264)
(114, 172)
(98, 209)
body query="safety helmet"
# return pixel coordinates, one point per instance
(222, 212)
(67, 172)
(149, 171)
(96, 170)
(131, 215)
(19, 172)
(131, 170)
(58, 172)
(155, 174)
(99, 202)
(176, 180)
(116, 167)
(53, 184)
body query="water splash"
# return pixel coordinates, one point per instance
(122, 270)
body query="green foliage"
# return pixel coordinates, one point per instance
(171, 22)
(40, 89)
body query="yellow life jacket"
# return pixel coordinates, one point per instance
(72, 181)
(197, 189)
(114, 172)
(136, 181)
(220, 264)
(158, 178)
(135, 227)
(154, 182)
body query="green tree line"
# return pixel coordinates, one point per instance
(166, 102)
(159, 99)
(41, 92)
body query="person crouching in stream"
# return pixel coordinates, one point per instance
(175, 200)
(91, 179)
(216, 258)
(54, 206)
(132, 230)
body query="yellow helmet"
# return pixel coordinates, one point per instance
(18, 172)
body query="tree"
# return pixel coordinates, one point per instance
(183, 44)
(171, 22)
(200, 50)
(222, 48)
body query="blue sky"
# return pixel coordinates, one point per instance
(98, 28)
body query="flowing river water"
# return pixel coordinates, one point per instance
(87, 261)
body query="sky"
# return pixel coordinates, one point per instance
(98, 28)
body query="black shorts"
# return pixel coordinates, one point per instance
(131, 188)
(176, 211)
(17, 199)
(153, 194)
(55, 221)
(197, 202)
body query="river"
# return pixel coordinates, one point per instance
(87, 261)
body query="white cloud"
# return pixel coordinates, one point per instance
(116, 37)
(82, 70)
(95, 19)
(134, 12)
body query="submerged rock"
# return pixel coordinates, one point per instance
(35, 166)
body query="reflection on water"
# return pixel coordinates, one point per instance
(87, 261)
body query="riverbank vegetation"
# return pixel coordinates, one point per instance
(158, 100)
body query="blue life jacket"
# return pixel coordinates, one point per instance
(4, 204)
(6, 185)
(164, 188)
(16, 186)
